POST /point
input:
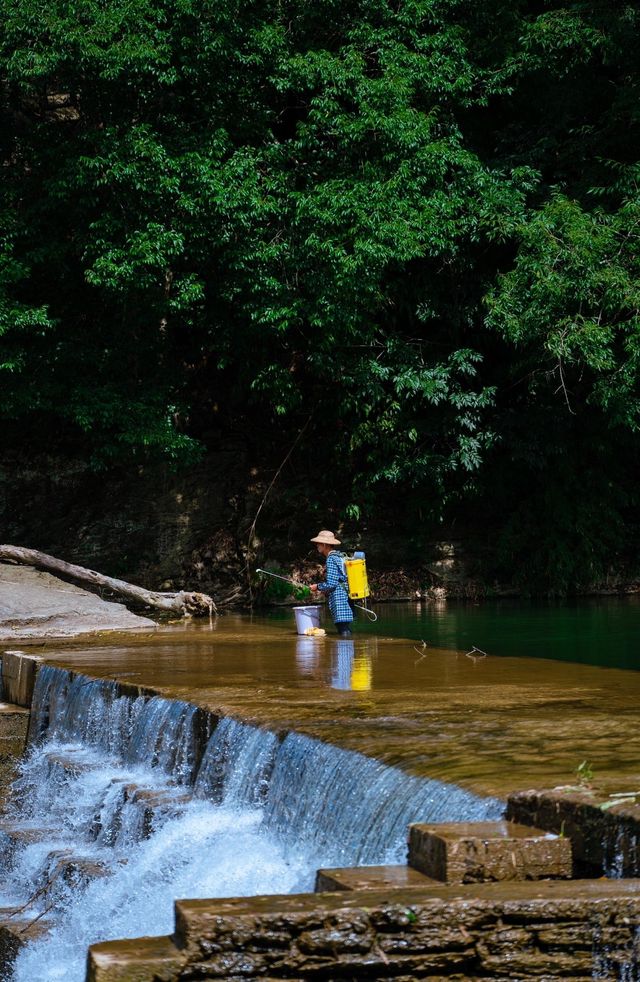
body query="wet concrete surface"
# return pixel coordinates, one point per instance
(493, 725)
(372, 878)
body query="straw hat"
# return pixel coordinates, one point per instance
(327, 538)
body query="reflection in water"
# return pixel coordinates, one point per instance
(307, 655)
(351, 665)
(361, 672)
(341, 665)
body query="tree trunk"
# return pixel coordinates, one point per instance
(183, 603)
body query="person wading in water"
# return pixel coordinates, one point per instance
(335, 584)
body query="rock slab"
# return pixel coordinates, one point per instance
(38, 606)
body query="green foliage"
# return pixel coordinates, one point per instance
(572, 303)
(274, 590)
(584, 773)
(244, 200)
(411, 228)
(18, 317)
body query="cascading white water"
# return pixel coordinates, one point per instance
(121, 808)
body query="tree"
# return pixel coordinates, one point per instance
(371, 220)
(207, 192)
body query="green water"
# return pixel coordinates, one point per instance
(599, 631)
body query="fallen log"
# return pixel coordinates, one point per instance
(184, 603)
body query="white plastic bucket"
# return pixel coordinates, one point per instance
(307, 617)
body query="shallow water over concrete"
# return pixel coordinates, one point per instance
(493, 724)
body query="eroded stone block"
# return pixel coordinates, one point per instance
(604, 839)
(140, 960)
(496, 932)
(19, 676)
(477, 852)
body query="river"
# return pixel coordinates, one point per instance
(320, 751)
(595, 631)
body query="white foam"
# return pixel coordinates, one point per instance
(208, 852)
(259, 817)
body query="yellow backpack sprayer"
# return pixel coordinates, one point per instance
(355, 569)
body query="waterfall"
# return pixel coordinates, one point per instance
(356, 810)
(126, 802)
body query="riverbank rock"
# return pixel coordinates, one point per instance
(38, 606)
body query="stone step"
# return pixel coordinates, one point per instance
(16, 837)
(370, 878)
(19, 676)
(151, 802)
(14, 918)
(157, 800)
(602, 823)
(524, 931)
(14, 725)
(475, 852)
(139, 960)
(64, 866)
(154, 802)
(69, 764)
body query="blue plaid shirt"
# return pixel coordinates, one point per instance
(335, 588)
